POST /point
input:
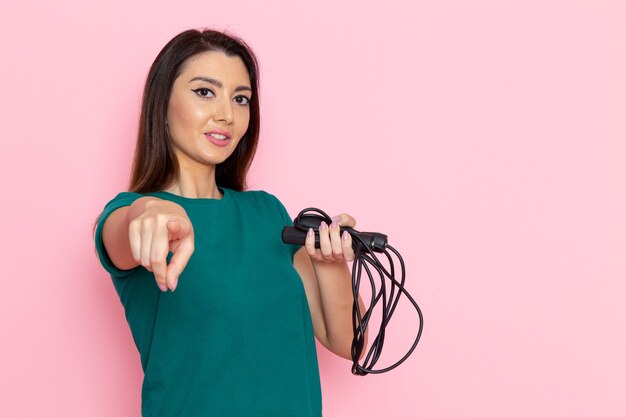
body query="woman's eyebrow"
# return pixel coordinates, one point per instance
(218, 83)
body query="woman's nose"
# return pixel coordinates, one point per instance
(223, 111)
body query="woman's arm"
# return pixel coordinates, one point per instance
(143, 234)
(328, 285)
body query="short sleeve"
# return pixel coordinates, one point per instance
(121, 200)
(287, 221)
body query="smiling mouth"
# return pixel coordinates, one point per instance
(218, 136)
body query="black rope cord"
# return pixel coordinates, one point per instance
(365, 245)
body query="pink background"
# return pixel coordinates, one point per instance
(486, 138)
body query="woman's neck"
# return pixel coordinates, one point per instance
(196, 184)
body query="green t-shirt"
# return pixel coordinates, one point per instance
(235, 338)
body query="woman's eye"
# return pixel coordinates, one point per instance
(203, 92)
(243, 100)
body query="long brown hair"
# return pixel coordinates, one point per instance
(155, 166)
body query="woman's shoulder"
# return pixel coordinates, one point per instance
(123, 198)
(260, 198)
(255, 195)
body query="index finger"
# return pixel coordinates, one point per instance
(344, 219)
(178, 262)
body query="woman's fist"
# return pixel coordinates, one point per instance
(156, 228)
(333, 246)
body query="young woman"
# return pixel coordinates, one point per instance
(223, 313)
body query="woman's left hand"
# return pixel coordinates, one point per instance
(333, 246)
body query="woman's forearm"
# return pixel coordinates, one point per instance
(336, 294)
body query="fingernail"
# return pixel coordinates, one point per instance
(310, 232)
(336, 219)
(162, 287)
(333, 225)
(345, 235)
(174, 284)
(323, 226)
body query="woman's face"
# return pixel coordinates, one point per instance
(209, 109)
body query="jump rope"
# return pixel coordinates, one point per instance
(365, 244)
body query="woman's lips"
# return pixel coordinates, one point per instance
(218, 137)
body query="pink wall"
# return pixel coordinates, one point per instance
(486, 138)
